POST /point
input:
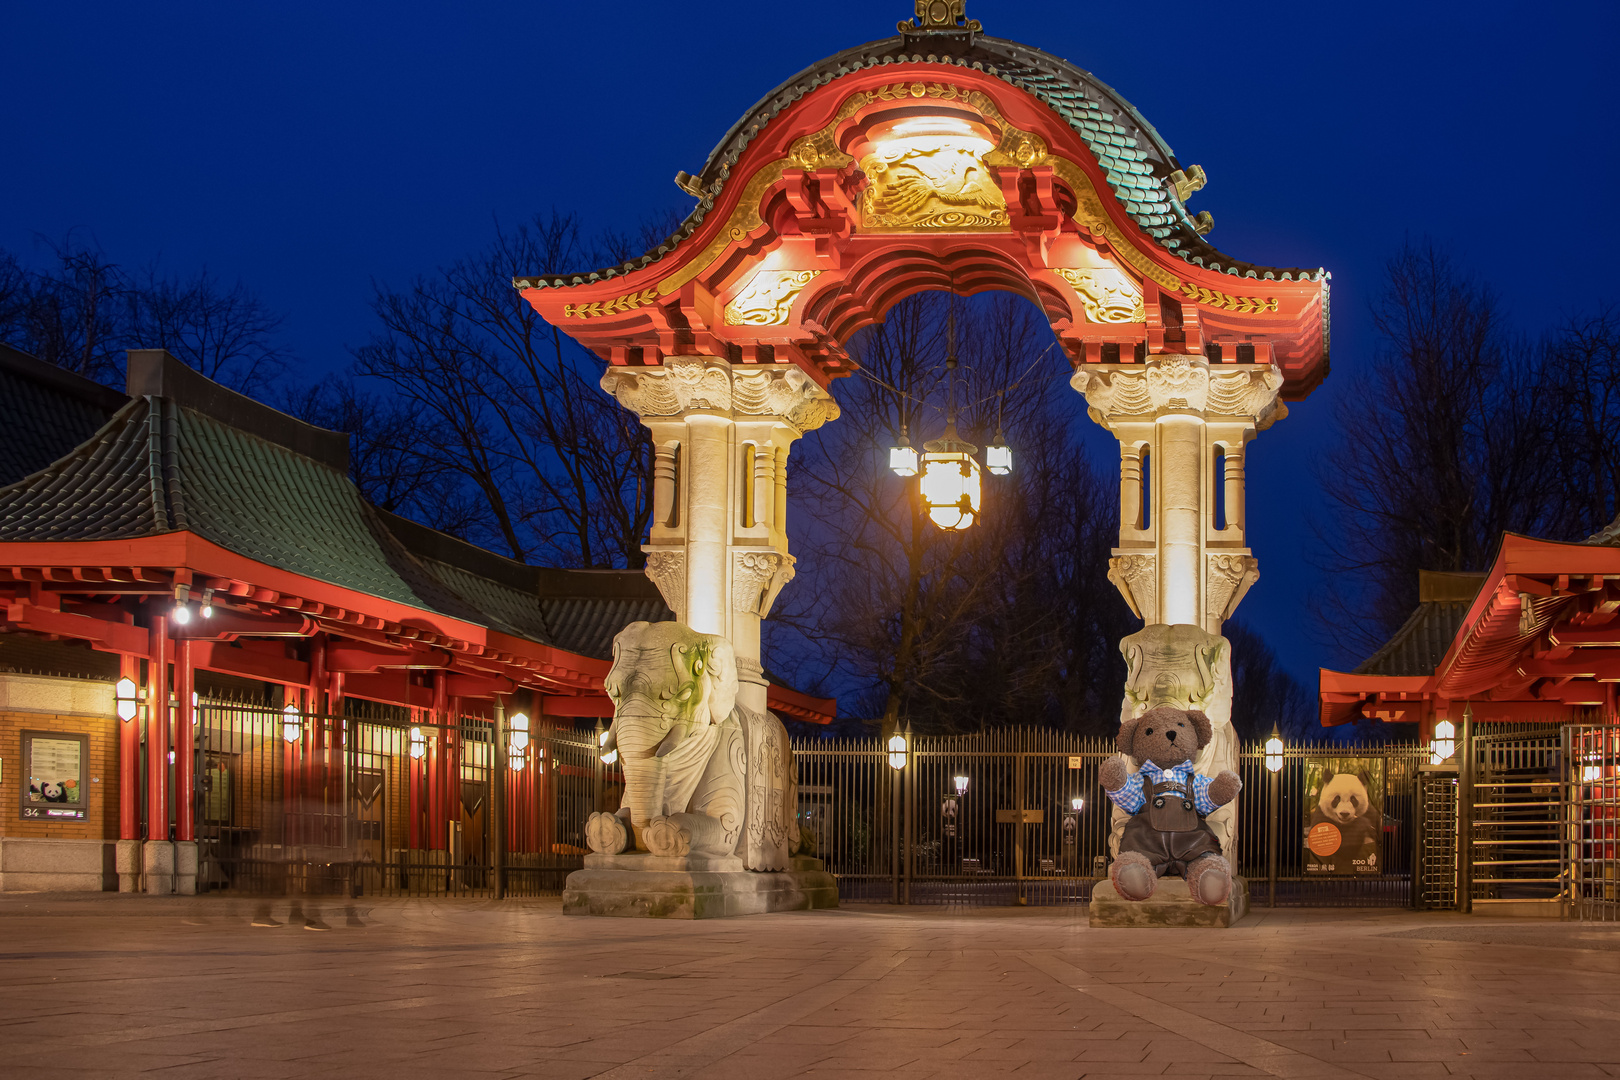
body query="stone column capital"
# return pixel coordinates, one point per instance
(1164, 385)
(683, 385)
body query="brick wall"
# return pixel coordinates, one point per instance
(78, 706)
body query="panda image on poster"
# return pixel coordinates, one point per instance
(1344, 798)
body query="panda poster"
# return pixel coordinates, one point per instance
(55, 765)
(1344, 806)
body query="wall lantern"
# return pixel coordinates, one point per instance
(961, 785)
(897, 751)
(951, 482)
(125, 693)
(1274, 754)
(1444, 744)
(292, 724)
(1077, 804)
(518, 732)
(418, 744)
(903, 457)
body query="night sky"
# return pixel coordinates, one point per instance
(313, 149)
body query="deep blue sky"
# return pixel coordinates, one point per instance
(311, 149)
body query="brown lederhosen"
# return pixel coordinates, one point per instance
(1168, 830)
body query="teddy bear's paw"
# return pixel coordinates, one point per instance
(1133, 876)
(1209, 880)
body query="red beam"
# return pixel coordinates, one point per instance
(249, 663)
(115, 637)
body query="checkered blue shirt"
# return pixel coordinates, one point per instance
(1131, 799)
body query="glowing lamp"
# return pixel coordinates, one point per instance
(1444, 744)
(124, 692)
(208, 604)
(998, 457)
(1077, 804)
(897, 751)
(518, 735)
(951, 483)
(515, 760)
(1274, 754)
(610, 757)
(903, 458)
(961, 785)
(181, 614)
(418, 744)
(1591, 774)
(292, 724)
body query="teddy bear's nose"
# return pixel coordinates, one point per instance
(1171, 735)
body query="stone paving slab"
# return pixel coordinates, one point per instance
(186, 987)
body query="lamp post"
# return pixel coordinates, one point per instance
(1274, 764)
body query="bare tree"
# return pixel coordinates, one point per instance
(226, 333)
(509, 401)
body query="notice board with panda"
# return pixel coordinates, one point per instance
(1344, 807)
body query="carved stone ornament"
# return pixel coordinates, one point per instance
(1109, 296)
(680, 384)
(768, 297)
(702, 774)
(667, 569)
(1180, 382)
(784, 391)
(1229, 577)
(1136, 579)
(683, 384)
(757, 578)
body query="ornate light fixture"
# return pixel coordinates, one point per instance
(1274, 753)
(1077, 804)
(897, 751)
(418, 744)
(903, 456)
(1443, 747)
(951, 483)
(125, 693)
(961, 784)
(517, 741)
(292, 724)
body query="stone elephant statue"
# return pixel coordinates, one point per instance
(703, 775)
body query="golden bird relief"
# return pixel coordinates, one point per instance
(936, 186)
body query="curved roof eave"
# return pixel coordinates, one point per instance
(1135, 159)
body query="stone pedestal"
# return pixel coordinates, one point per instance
(157, 867)
(127, 863)
(185, 867)
(693, 887)
(1170, 905)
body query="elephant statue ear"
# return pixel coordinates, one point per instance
(723, 673)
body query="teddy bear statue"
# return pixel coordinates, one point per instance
(1168, 801)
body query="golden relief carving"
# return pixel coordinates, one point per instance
(820, 149)
(767, 298)
(1243, 305)
(1109, 295)
(627, 302)
(930, 182)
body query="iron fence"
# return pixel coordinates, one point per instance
(1031, 824)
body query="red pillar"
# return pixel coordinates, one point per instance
(184, 744)
(157, 732)
(544, 764)
(129, 760)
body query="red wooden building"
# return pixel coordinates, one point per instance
(210, 549)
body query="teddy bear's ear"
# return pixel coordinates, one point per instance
(1127, 736)
(1202, 726)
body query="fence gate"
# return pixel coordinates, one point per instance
(1592, 820)
(1437, 842)
(1514, 809)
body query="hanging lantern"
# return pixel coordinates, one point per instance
(903, 458)
(998, 457)
(951, 482)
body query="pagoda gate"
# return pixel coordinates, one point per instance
(942, 158)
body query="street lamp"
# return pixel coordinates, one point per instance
(1444, 744)
(1274, 753)
(897, 751)
(125, 693)
(961, 785)
(903, 457)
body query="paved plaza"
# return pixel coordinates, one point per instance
(114, 986)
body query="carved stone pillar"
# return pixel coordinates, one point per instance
(1183, 425)
(718, 548)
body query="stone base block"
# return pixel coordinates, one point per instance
(127, 860)
(1170, 905)
(648, 887)
(51, 865)
(157, 867)
(185, 867)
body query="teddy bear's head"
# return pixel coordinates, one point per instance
(1165, 735)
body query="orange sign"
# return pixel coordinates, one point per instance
(1324, 838)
